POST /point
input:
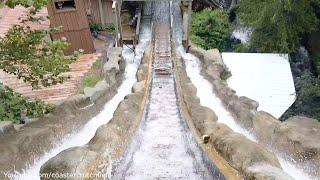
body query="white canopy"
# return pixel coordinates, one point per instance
(265, 78)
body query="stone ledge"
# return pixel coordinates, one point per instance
(33, 139)
(110, 139)
(242, 154)
(291, 137)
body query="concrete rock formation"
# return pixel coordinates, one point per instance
(21, 147)
(109, 141)
(298, 136)
(252, 160)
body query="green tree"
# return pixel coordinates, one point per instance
(210, 29)
(26, 53)
(278, 25)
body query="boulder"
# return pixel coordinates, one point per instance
(97, 91)
(138, 86)
(6, 126)
(142, 73)
(212, 55)
(301, 137)
(65, 163)
(81, 101)
(244, 154)
(249, 103)
(264, 125)
(197, 51)
(267, 172)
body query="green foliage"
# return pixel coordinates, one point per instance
(35, 5)
(110, 27)
(317, 63)
(25, 53)
(225, 74)
(210, 29)
(90, 81)
(95, 26)
(99, 27)
(13, 106)
(93, 77)
(308, 87)
(308, 97)
(278, 25)
(241, 47)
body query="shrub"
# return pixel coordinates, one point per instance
(92, 77)
(210, 29)
(97, 27)
(13, 106)
(91, 80)
(308, 97)
(308, 87)
(225, 74)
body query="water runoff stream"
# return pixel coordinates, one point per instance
(163, 147)
(84, 135)
(209, 99)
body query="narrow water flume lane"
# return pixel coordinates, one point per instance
(209, 99)
(163, 147)
(84, 135)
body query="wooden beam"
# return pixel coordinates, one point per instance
(101, 12)
(117, 9)
(138, 22)
(189, 21)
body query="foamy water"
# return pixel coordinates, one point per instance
(85, 134)
(209, 99)
(163, 148)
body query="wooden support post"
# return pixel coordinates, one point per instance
(117, 7)
(184, 23)
(189, 21)
(136, 38)
(101, 12)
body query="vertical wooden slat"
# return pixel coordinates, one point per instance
(75, 27)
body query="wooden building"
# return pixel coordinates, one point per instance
(94, 9)
(71, 15)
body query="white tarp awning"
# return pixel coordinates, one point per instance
(265, 78)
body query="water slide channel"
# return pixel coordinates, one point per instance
(209, 99)
(163, 147)
(84, 135)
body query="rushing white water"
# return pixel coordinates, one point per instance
(243, 34)
(204, 88)
(209, 99)
(84, 135)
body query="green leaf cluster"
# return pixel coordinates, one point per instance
(99, 27)
(308, 87)
(210, 28)
(278, 25)
(13, 106)
(26, 53)
(34, 4)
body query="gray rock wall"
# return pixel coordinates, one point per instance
(298, 137)
(250, 159)
(110, 140)
(32, 140)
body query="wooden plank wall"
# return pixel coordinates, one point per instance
(75, 27)
(92, 7)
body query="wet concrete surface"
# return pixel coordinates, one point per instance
(163, 147)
